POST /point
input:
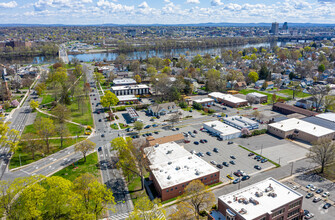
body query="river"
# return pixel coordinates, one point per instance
(90, 57)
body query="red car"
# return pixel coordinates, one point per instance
(186, 141)
(254, 108)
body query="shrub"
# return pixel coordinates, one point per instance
(117, 117)
(197, 106)
(258, 132)
(203, 213)
(211, 111)
(214, 207)
(183, 105)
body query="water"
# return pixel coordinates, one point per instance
(138, 54)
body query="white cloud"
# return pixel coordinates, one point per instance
(193, 2)
(167, 1)
(216, 3)
(143, 5)
(87, 1)
(11, 4)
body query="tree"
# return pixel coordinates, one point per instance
(197, 106)
(31, 143)
(235, 75)
(63, 132)
(322, 153)
(253, 76)
(318, 93)
(199, 197)
(98, 77)
(197, 61)
(214, 81)
(138, 125)
(251, 99)
(329, 103)
(151, 71)
(174, 118)
(84, 147)
(183, 105)
(166, 70)
(183, 211)
(265, 85)
(62, 113)
(34, 104)
(321, 68)
(291, 75)
(45, 129)
(274, 99)
(245, 132)
(138, 78)
(78, 70)
(109, 99)
(263, 72)
(40, 88)
(146, 209)
(8, 137)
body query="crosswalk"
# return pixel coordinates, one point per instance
(120, 216)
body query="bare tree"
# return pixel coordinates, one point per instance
(322, 153)
(174, 118)
(251, 100)
(319, 93)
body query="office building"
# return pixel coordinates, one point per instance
(205, 101)
(240, 122)
(140, 89)
(224, 131)
(228, 100)
(258, 97)
(172, 168)
(265, 200)
(275, 28)
(124, 82)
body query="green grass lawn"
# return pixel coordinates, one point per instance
(47, 99)
(90, 166)
(78, 116)
(26, 157)
(289, 92)
(247, 91)
(134, 187)
(73, 129)
(9, 109)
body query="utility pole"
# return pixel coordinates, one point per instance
(261, 149)
(291, 168)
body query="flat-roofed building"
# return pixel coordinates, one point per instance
(289, 109)
(265, 200)
(124, 82)
(124, 99)
(140, 89)
(327, 116)
(258, 97)
(133, 115)
(172, 168)
(299, 129)
(228, 100)
(204, 101)
(224, 131)
(240, 122)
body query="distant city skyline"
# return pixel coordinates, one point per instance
(165, 11)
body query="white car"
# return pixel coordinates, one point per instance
(213, 162)
(309, 216)
(325, 194)
(309, 186)
(193, 152)
(294, 187)
(313, 188)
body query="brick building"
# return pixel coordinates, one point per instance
(265, 200)
(228, 100)
(289, 109)
(172, 168)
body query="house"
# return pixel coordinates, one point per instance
(258, 97)
(270, 84)
(308, 81)
(259, 83)
(204, 101)
(240, 85)
(163, 109)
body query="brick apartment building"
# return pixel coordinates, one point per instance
(172, 168)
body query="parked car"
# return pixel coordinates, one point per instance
(202, 141)
(193, 152)
(230, 177)
(155, 125)
(209, 153)
(195, 132)
(316, 199)
(313, 188)
(257, 167)
(156, 132)
(319, 191)
(246, 177)
(213, 162)
(237, 173)
(309, 195)
(147, 126)
(251, 154)
(232, 162)
(100, 149)
(264, 160)
(103, 135)
(237, 181)
(100, 120)
(219, 166)
(216, 150)
(196, 142)
(327, 205)
(232, 157)
(309, 216)
(224, 108)
(187, 141)
(325, 194)
(225, 164)
(309, 186)
(230, 142)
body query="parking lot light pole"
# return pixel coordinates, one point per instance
(261, 149)
(291, 168)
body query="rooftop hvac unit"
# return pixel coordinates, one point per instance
(169, 162)
(259, 194)
(213, 125)
(197, 172)
(156, 145)
(190, 157)
(169, 152)
(243, 211)
(178, 168)
(169, 177)
(272, 194)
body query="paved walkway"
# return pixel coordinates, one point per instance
(51, 115)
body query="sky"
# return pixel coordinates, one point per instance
(165, 11)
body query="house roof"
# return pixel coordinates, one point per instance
(159, 107)
(162, 140)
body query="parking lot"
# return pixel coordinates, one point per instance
(316, 208)
(276, 149)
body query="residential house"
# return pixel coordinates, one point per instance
(240, 85)
(163, 109)
(309, 81)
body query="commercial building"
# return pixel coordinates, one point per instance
(224, 131)
(327, 116)
(140, 89)
(240, 122)
(133, 115)
(299, 129)
(275, 28)
(124, 82)
(289, 109)
(228, 100)
(205, 101)
(5, 93)
(265, 200)
(258, 97)
(163, 109)
(172, 168)
(124, 99)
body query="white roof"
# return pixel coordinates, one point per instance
(124, 81)
(126, 97)
(266, 203)
(222, 127)
(327, 116)
(171, 164)
(228, 97)
(140, 86)
(297, 124)
(256, 94)
(204, 100)
(240, 121)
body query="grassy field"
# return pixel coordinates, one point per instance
(74, 129)
(289, 92)
(134, 187)
(47, 99)
(26, 157)
(84, 118)
(247, 91)
(90, 166)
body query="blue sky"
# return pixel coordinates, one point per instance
(165, 11)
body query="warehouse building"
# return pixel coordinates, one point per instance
(172, 168)
(127, 99)
(265, 200)
(205, 101)
(302, 130)
(224, 131)
(258, 97)
(228, 100)
(240, 122)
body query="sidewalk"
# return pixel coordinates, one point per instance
(46, 113)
